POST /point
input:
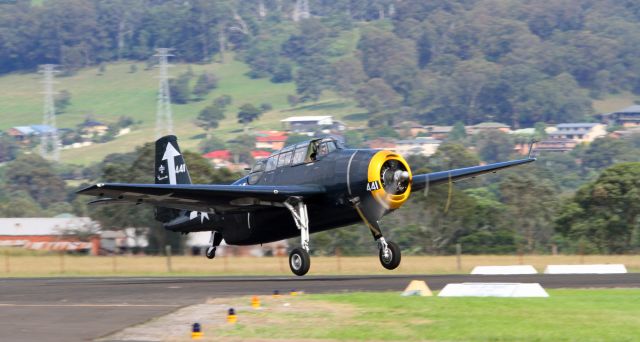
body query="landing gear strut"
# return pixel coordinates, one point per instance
(389, 251)
(214, 241)
(299, 260)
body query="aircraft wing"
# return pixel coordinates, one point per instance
(420, 181)
(200, 197)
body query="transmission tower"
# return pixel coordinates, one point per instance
(164, 121)
(49, 142)
(262, 11)
(301, 10)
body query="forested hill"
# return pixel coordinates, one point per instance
(440, 61)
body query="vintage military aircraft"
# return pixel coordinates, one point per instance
(305, 188)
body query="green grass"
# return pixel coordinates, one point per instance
(567, 315)
(614, 102)
(120, 93)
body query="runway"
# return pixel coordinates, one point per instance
(66, 309)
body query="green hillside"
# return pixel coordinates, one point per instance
(118, 92)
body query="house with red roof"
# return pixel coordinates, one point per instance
(271, 140)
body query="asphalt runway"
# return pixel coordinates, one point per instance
(76, 309)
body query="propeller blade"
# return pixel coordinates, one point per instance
(446, 207)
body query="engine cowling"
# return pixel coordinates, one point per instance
(389, 179)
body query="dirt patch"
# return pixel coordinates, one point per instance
(212, 316)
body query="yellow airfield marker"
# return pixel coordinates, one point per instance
(255, 302)
(196, 332)
(231, 317)
(417, 288)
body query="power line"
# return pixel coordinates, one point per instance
(49, 141)
(164, 120)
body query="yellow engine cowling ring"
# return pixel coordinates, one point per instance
(388, 201)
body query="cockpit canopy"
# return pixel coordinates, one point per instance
(301, 153)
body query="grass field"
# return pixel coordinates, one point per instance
(567, 315)
(120, 93)
(66, 265)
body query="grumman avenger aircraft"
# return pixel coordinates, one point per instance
(302, 189)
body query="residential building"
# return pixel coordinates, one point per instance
(310, 124)
(381, 144)
(21, 133)
(556, 145)
(627, 117)
(409, 128)
(71, 234)
(418, 146)
(259, 154)
(92, 128)
(272, 140)
(487, 127)
(24, 133)
(579, 132)
(438, 132)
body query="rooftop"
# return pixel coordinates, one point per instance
(577, 125)
(490, 125)
(630, 109)
(42, 225)
(310, 118)
(218, 154)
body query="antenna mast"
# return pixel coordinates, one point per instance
(49, 142)
(164, 120)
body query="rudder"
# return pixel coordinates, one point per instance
(170, 165)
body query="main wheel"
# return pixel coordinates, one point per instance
(210, 253)
(299, 261)
(392, 259)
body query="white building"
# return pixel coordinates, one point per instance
(311, 124)
(418, 146)
(579, 132)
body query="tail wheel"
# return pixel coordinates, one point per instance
(391, 259)
(299, 261)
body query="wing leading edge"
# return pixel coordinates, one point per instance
(199, 197)
(420, 181)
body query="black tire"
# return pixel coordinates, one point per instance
(210, 253)
(394, 258)
(299, 261)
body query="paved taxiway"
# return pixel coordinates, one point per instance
(74, 309)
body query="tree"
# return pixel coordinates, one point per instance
(61, 101)
(458, 132)
(494, 146)
(36, 176)
(530, 204)
(606, 151)
(311, 78)
(248, 113)
(179, 89)
(378, 98)
(452, 156)
(8, 149)
(209, 118)
(282, 73)
(205, 83)
(20, 205)
(424, 50)
(606, 211)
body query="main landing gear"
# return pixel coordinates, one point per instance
(389, 251)
(299, 260)
(214, 241)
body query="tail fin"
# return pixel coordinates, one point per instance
(170, 166)
(170, 169)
